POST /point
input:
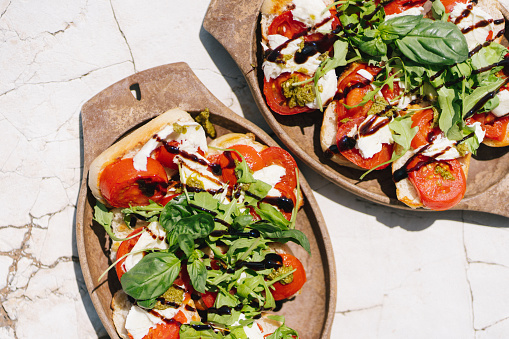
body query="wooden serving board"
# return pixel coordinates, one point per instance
(114, 112)
(235, 24)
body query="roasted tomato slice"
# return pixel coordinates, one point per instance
(440, 184)
(123, 185)
(165, 330)
(285, 25)
(299, 278)
(162, 155)
(495, 128)
(424, 121)
(125, 247)
(275, 97)
(278, 156)
(227, 161)
(399, 6)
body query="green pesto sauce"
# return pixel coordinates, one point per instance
(436, 116)
(203, 120)
(379, 107)
(444, 172)
(297, 95)
(179, 128)
(279, 272)
(462, 149)
(194, 182)
(172, 295)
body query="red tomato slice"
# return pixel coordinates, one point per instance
(165, 331)
(227, 162)
(424, 121)
(436, 192)
(209, 298)
(399, 6)
(299, 278)
(122, 185)
(278, 156)
(275, 97)
(285, 25)
(449, 4)
(495, 128)
(125, 247)
(162, 155)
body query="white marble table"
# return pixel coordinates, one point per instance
(400, 274)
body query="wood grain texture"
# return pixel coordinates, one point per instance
(115, 111)
(488, 180)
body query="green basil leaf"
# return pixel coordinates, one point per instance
(174, 210)
(195, 226)
(148, 304)
(186, 243)
(435, 43)
(151, 276)
(438, 11)
(198, 274)
(270, 213)
(374, 47)
(398, 27)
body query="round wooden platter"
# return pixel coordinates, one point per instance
(134, 100)
(235, 24)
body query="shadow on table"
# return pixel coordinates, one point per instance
(85, 296)
(410, 220)
(234, 77)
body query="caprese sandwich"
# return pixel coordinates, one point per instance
(199, 231)
(421, 84)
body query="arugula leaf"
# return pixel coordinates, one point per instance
(258, 190)
(448, 116)
(105, 218)
(403, 131)
(205, 200)
(147, 212)
(434, 43)
(151, 276)
(283, 331)
(188, 332)
(274, 232)
(477, 94)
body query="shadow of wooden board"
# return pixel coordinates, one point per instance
(235, 24)
(114, 112)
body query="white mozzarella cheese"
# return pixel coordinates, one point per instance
(272, 70)
(253, 331)
(271, 175)
(365, 74)
(369, 145)
(138, 322)
(191, 139)
(420, 10)
(146, 241)
(440, 145)
(479, 133)
(503, 104)
(477, 35)
(311, 12)
(329, 84)
(191, 169)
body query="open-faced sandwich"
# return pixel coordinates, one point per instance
(199, 231)
(420, 85)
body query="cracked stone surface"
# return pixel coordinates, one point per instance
(400, 274)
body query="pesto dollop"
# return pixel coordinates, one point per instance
(298, 95)
(203, 120)
(173, 296)
(282, 271)
(443, 172)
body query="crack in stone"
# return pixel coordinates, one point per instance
(491, 325)
(467, 260)
(5, 10)
(123, 35)
(359, 309)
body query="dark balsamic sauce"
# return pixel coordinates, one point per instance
(272, 260)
